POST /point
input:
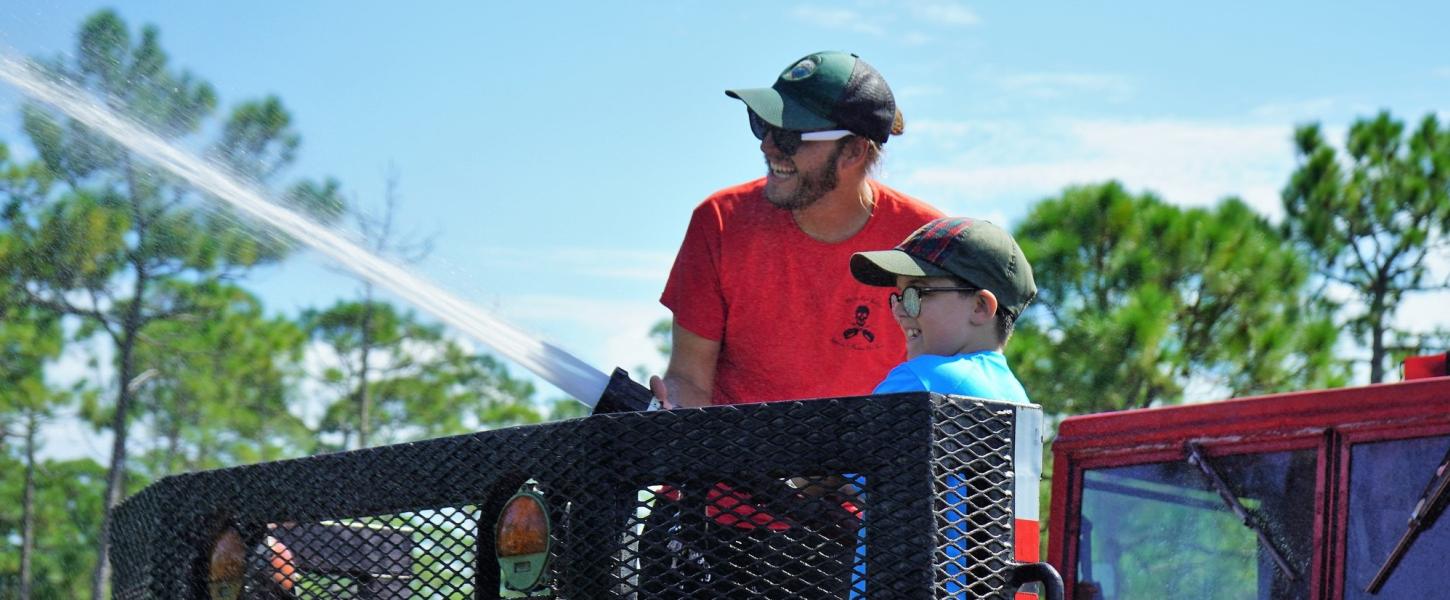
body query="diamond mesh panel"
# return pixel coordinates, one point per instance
(973, 477)
(903, 496)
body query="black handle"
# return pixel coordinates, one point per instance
(1038, 572)
(623, 395)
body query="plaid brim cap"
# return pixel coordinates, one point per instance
(826, 90)
(972, 250)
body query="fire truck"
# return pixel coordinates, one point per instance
(1329, 495)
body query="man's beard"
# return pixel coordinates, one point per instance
(810, 187)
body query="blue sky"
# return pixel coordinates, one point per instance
(555, 150)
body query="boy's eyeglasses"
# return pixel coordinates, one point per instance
(910, 297)
(790, 141)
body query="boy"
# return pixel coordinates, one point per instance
(960, 286)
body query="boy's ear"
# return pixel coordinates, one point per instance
(984, 308)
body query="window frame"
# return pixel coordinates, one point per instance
(1331, 422)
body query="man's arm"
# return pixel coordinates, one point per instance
(689, 380)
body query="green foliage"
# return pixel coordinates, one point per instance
(1139, 298)
(219, 383)
(258, 140)
(117, 216)
(135, 77)
(132, 252)
(566, 408)
(68, 515)
(661, 333)
(396, 378)
(1372, 218)
(1161, 530)
(29, 338)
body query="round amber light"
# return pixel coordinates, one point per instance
(523, 527)
(228, 561)
(522, 541)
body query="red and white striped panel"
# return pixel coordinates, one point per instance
(1027, 466)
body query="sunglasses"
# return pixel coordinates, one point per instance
(910, 297)
(789, 141)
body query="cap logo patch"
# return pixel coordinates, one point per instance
(803, 69)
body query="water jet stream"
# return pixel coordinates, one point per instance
(553, 364)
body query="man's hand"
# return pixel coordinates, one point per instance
(689, 379)
(661, 392)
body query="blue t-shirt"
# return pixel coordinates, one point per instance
(979, 375)
(982, 375)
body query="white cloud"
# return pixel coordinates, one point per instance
(991, 168)
(629, 265)
(881, 18)
(1420, 312)
(916, 91)
(1048, 86)
(605, 333)
(90, 361)
(837, 18)
(68, 438)
(916, 38)
(1441, 72)
(1186, 162)
(1425, 311)
(944, 13)
(312, 397)
(1313, 109)
(943, 128)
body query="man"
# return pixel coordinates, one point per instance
(765, 307)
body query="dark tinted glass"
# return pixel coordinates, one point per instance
(787, 141)
(1161, 531)
(1386, 479)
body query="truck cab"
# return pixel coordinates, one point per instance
(1307, 495)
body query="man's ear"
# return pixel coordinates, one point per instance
(984, 308)
(853, 154)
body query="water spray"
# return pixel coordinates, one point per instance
(602, 393)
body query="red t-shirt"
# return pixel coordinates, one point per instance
(791, 320)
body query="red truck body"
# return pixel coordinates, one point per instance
(1330, 478)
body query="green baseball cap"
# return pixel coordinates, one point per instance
(973, 250)
(827, 90)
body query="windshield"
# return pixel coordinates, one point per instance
(1385, 481)
(1161, 531)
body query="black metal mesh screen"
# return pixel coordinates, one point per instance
(903, 496)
